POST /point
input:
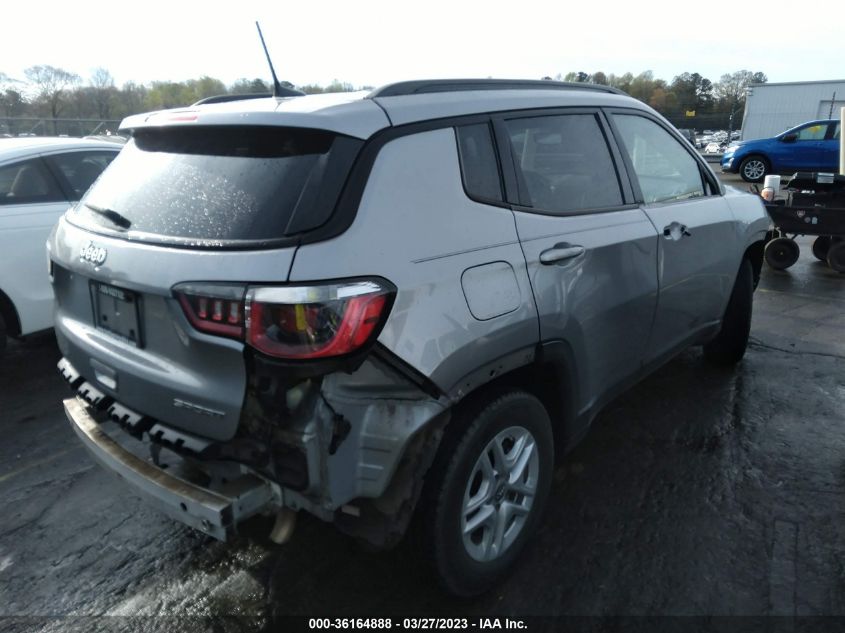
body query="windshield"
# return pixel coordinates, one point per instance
(215, 184)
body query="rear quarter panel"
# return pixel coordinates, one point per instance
(417, 228)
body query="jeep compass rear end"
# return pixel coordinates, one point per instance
(357, 305)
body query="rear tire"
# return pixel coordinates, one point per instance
(836, 257)
(730, 344)
(781, 253)
(2, 335)
(754, 168)
(485, 492)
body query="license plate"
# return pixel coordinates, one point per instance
(116, 311)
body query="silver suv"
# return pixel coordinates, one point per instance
(362, 305)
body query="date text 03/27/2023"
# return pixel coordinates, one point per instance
(417, 624)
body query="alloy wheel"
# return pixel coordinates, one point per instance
(500, 493)
(754, 169)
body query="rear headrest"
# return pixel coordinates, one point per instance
(28, 183)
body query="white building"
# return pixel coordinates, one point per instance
(773, 108)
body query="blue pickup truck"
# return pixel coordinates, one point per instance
(811, 146)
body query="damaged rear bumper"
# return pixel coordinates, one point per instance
(214, 512)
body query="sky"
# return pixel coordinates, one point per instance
(365, 42)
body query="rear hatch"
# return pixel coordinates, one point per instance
(209, 211)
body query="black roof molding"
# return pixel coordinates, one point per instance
(227, 98)
(424, 86)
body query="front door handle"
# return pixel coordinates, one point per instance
(560, 252)
(676, 231)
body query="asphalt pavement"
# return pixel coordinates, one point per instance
(698, 492)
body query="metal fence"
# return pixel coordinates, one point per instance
(17, 126)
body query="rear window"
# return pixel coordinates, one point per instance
(563, 163)
(217, 184)
(479, 167)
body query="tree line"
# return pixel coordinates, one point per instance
(689, 97)
(50, 92)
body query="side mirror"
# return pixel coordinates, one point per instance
(789, 138)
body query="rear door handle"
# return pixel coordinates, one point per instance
(560, 252)
(676, 231)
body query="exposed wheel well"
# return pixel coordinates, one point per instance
(547, 380)
(754, 254)
(10, 315)
(762, 157)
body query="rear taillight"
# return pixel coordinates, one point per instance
(315, 321)
(294, 322)
(214, 308)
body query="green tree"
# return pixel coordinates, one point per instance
(643, 86)
(623, 82)
(339, 86)
(168, 94)
(12, 103)
(579, 77)
(599, 78)
(312, 89)
(693, 92)
(130, 99)
(204, 87)
(249, 86)
(732, 87)
(663, 100)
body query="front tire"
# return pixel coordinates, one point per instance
(486, 490)
(730, 344)
(753, 168)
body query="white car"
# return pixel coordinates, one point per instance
(39, 179)
(702, 141)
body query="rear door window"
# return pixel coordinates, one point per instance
(563, 163)
(215, 184)
(80, 169)
(28, 182)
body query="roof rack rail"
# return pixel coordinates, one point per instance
(424, 86)
(227, 98)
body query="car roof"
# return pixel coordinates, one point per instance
(362, 114)
(11, 148)
(423, 107)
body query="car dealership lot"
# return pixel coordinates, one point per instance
(700, 491)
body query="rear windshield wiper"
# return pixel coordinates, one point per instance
(111, 215)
